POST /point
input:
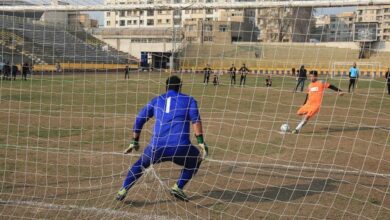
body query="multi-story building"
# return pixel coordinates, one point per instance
(378, 14)
(169, 18)
(331, 28)
(140, 18)
(284, 24)
(341, 27)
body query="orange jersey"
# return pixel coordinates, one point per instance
(316, 92)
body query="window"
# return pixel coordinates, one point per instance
(208, 28)
(141, 22)
(108, 23)
(135, 22)
(167, 21)
(128, 22)
(223, 28)
(122, 23)
(150, 22)
(108, 14)
(208, 38)
(150, 13)
(122, 13)
(159, 21)
(141, 13)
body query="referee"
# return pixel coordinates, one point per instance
(353, 77)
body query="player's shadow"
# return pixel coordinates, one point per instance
(345, 129)
(143, 203)
(279, 193)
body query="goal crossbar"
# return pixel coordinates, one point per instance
(178, 6)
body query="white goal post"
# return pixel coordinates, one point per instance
(367, 69)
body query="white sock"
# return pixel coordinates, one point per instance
(300, 125)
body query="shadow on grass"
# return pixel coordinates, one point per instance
(276, 193)
(345, 129)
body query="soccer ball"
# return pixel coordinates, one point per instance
(284, 128)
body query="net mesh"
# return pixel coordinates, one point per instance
(64, 127)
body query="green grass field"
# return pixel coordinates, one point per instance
(61, 139)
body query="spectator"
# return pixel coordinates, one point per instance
(387, 76)
(244, 71)
(353, 77)
(302, 76)
(268, 81)
(232, 73)
(207, 71)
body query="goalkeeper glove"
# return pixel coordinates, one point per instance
(204, 149)
(133, 146)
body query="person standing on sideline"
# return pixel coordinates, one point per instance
(216, 79)
(232, 73)
(353, 77)
(127, 71)
(174, 112)
(14, 71)
(387, 76)
(7, 71)
(293, 71)
(25, 70)
(207, 72)
(268, 81)
(244, 71)
(302, 76)
(58, 67)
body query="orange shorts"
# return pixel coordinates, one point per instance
(308, 110)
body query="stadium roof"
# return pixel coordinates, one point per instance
(15, 2)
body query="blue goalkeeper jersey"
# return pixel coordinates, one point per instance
(173, 112)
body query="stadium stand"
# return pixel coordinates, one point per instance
(197, 55)
(50, 43)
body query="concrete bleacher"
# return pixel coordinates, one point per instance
(220, 56)
(51, 43)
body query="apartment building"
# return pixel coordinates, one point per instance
(169, 18)
(285, 24)
(378, 14)
(334, 28)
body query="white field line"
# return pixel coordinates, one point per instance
(93, 210)
(319, 167)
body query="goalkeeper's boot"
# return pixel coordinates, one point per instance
(178, 193)
(121, 194)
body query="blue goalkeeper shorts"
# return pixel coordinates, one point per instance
(186, 156)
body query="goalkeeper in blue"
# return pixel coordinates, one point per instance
(170, 141)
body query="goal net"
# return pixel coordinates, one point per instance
(67, 115)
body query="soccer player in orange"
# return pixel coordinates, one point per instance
(313, 99)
